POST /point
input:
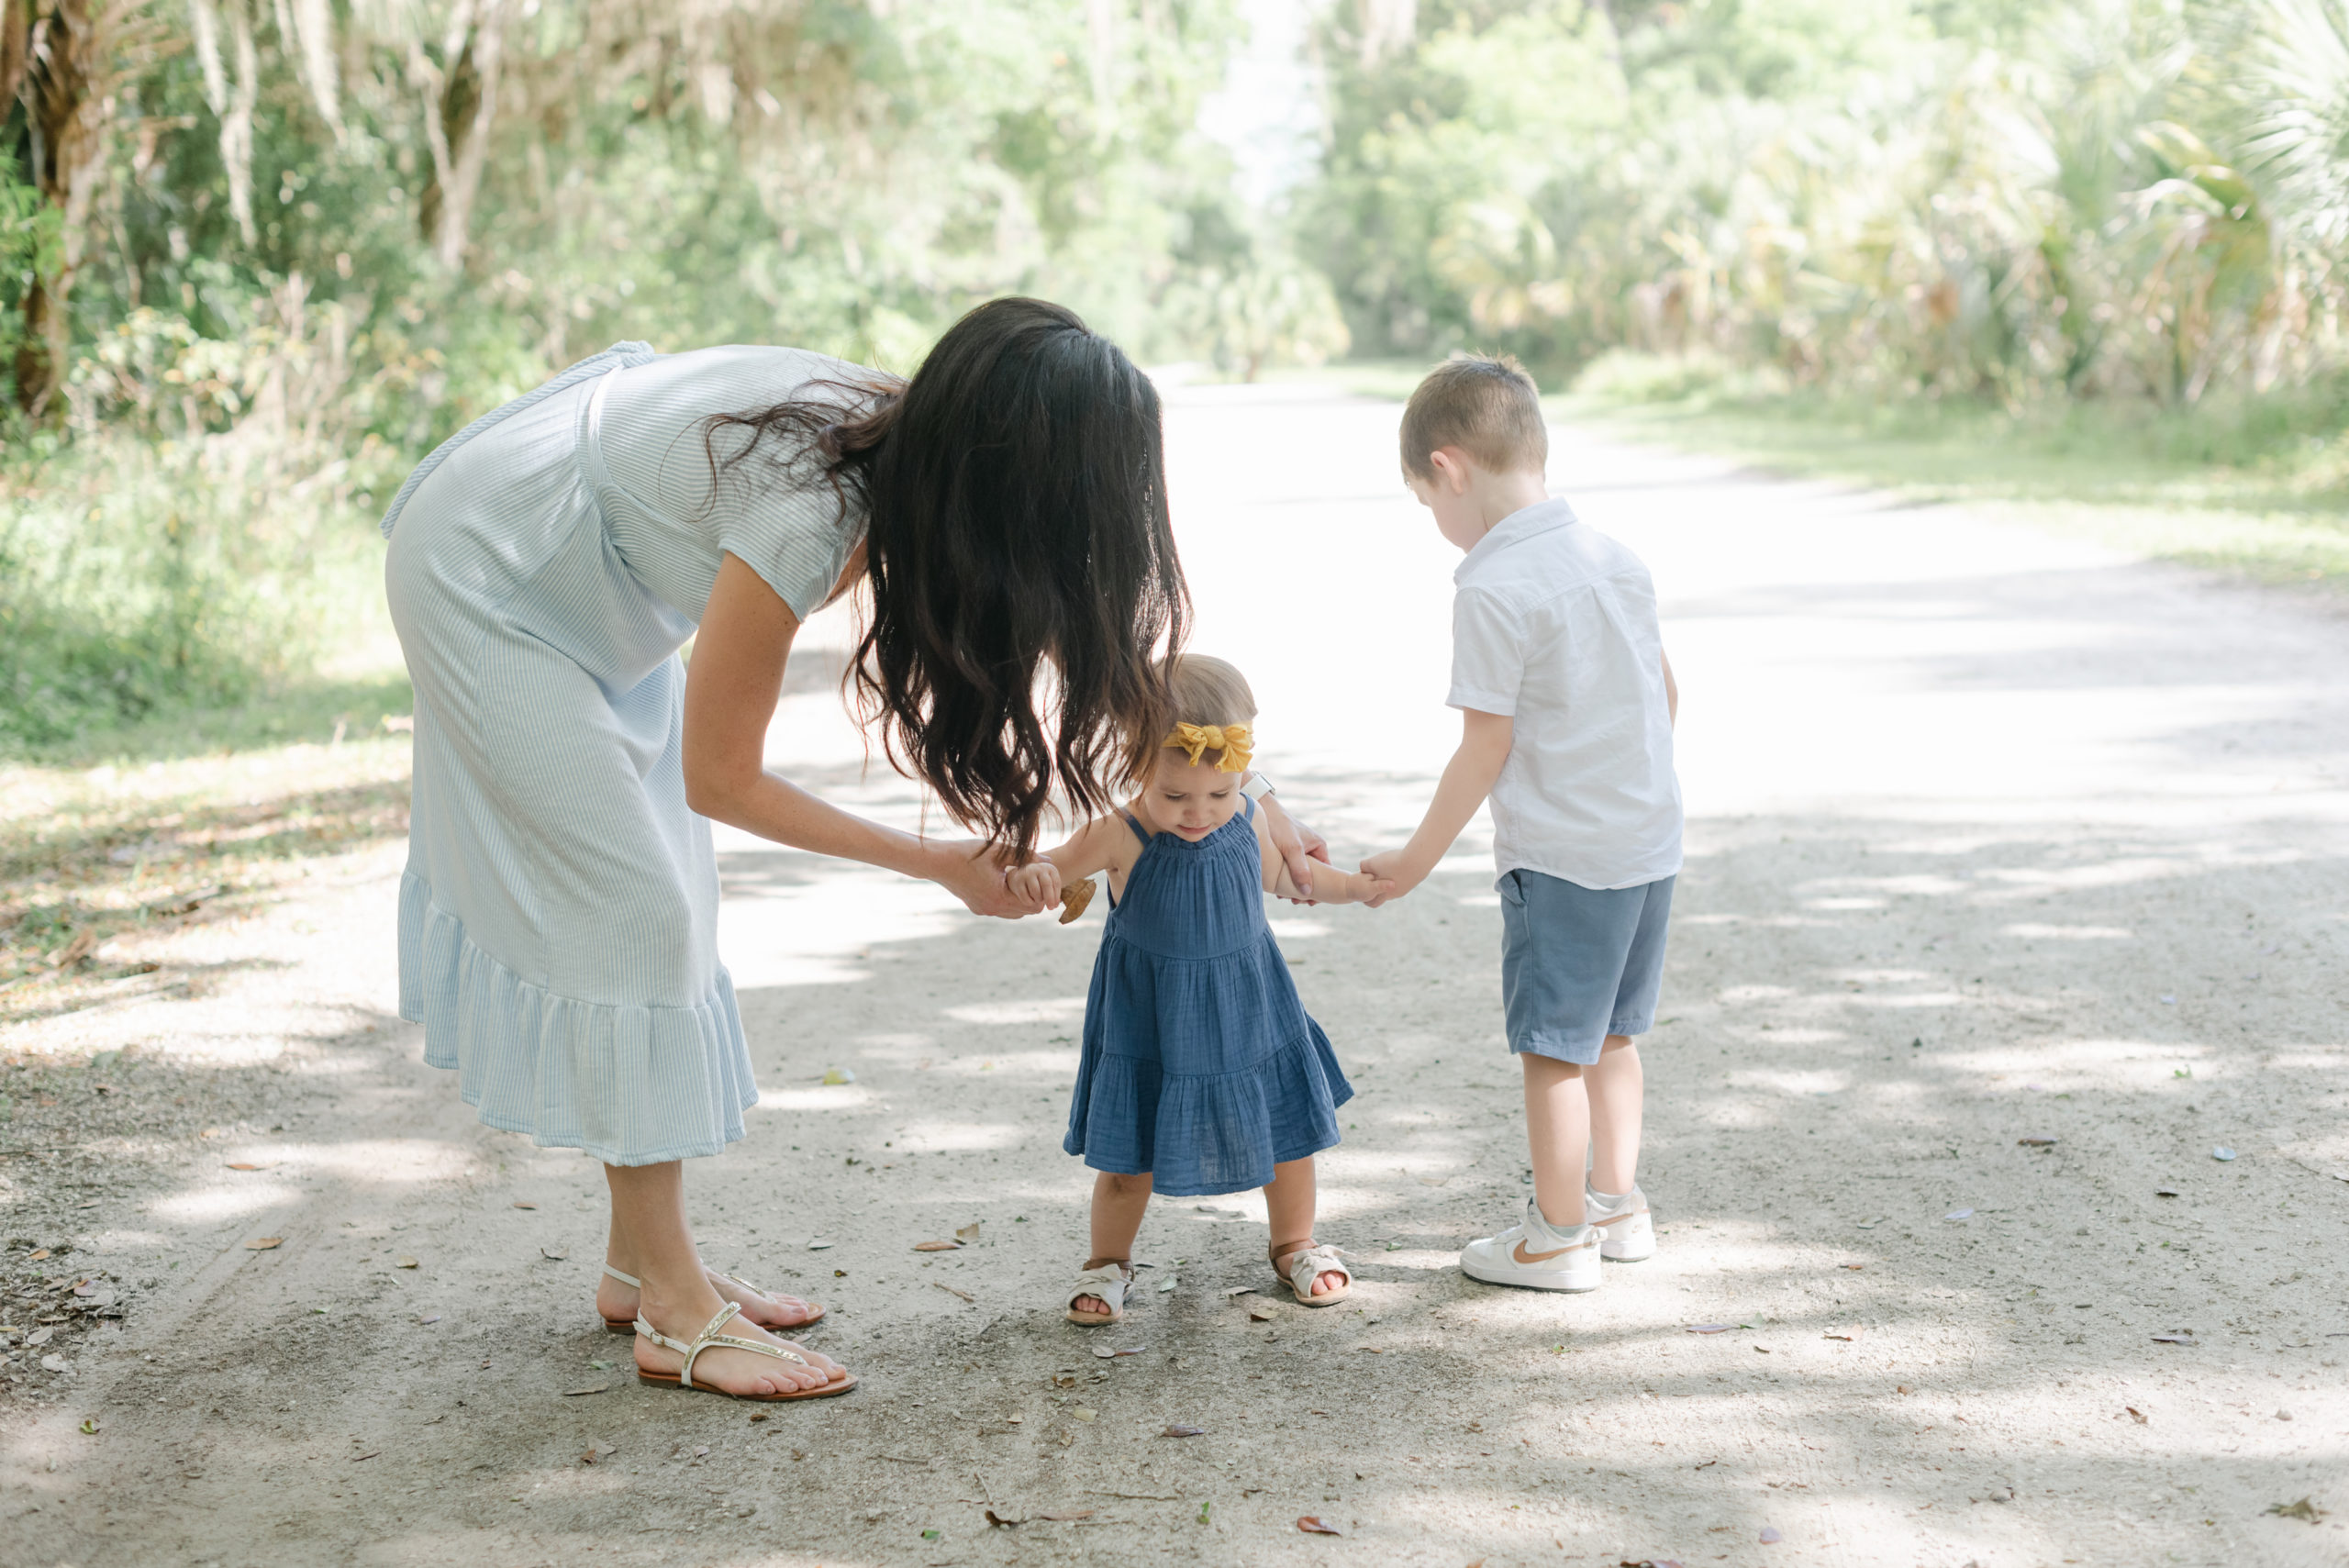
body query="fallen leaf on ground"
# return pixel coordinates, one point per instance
(952, 1291)
(1240, 1290)
(758, 1415)
(1852, 1334)
(2164, 1192)
(1707, 1329)
(53, 1364)
(584, 1388)
(968, 1233)
(1764, 1350)
(38, 1338)
(89, 1426)
(264, 1243)
(1169, 1282)
(1855, 1267)
(533, 1205)
(253, 1164)
(434, 1318)
(996, 1519)
(1185, 1431)
(410, 1264)
(1770, 1537)
(36, 1255)
(938, 1246)
(1258, 1316)
(817, 1245)
(588, 1457)
(2174, 1339)
(837, 1075)
(1312, 1526)
(2036, 1142)
(2303, 1509)
(2222, 1154)
(76, 950)
(558, 1254)
(2135, 1414)
(1085, 1413)
(368, 1455)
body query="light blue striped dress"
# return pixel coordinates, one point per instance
(558, 918)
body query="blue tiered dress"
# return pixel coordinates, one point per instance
(1200, 1065)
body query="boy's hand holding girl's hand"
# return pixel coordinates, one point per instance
(1390, 871)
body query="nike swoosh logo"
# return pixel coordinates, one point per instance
(1618, 1219)
(1523, 1256)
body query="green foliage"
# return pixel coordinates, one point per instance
(269, 326)
(1991, 200)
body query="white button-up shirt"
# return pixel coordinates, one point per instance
(1554, 625)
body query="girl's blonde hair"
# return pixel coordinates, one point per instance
(1202, 689)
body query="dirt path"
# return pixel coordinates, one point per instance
(1994, 839)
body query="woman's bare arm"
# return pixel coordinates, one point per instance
(732, 690)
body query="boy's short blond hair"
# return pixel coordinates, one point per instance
(1484, 404)
(1205, 690)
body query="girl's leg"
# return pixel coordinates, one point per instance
(649, 1228)
(1119, 1203)
(1288, 1205)
(1557, 1128)
(1616, 1087)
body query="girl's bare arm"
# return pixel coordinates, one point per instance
(1330, 885)
(1106, 843)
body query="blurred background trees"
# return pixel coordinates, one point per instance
(256, 256)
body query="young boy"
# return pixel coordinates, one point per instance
(1567, 704)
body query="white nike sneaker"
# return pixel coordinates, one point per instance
(1625, 1230)
(1533, 1254)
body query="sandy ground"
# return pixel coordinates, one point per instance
(1994, 838)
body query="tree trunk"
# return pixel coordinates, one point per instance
(460, 111)
(60, 54)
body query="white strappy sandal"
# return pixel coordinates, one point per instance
(1110, 1283)
(1309, 1263)
(628, 1324)
(710, 1338)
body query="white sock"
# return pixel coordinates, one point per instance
(1593, 1197)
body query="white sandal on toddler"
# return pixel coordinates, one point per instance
(1109, 1283)
(1308, 1265)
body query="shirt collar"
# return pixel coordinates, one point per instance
(1525, 523)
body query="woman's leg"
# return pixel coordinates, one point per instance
(616, 1300)
(1119, 1203)
(1289, 1205)
(1616, 1087)
(1557, 1129)
(649, 1227)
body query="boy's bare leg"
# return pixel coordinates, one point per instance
(1289, 1205)
(1557, 1128)
(1119, 1203)
(1616, 1087)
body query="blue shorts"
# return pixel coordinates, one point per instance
(1579, 963)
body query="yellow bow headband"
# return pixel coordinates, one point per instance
(1231, 739)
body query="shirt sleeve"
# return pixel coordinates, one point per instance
(1487, 653)
(794, 539)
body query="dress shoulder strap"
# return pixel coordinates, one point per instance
(1135, 823)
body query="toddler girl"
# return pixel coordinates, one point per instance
(1201, 1072)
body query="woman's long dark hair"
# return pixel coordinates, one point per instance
(1015, 489)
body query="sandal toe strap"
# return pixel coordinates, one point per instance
(1108, 1282)
(1312, 1262)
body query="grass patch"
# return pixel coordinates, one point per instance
(2254, 488)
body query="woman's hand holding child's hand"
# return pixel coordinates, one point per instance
(1038, 883)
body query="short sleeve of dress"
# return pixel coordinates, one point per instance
(796, 539)
(1487, 653)
(698, 486)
